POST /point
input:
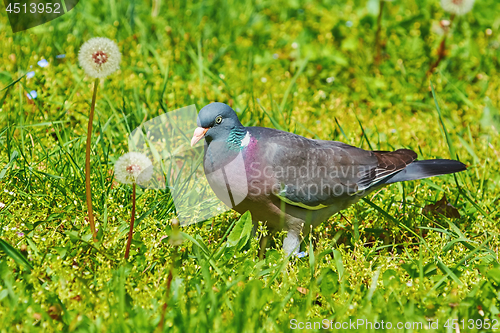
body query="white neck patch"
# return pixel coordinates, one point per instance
(246, 140)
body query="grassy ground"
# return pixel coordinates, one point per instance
(300, 66)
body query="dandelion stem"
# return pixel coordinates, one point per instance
(132, 218)
(377, 34)
(441, 55)
(169, 284)
(442, 48)
(87, 163)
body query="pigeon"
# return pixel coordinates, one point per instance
(290, 182)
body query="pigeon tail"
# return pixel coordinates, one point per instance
(425, 169)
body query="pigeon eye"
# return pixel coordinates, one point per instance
(218, 120)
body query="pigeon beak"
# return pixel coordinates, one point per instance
(199, 133)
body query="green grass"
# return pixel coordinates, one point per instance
(383, 259)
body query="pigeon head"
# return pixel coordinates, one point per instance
(215, 123)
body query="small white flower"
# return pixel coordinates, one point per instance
(99, 57)
(2, 205)
(263, 80)
(32, 94)
(29, 75)
(295, 45)
(302, 254)
(457, 7)
(330, 79)
(132, 168)
(43, 63)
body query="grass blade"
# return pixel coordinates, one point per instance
(15, 255)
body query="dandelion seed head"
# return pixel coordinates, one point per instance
(175, 238)
(132, 168)
(99, 57)
(457, 7)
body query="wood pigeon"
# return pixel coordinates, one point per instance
(289, 181)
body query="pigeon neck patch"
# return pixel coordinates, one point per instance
(238, 138)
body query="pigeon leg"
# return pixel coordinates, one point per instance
(291, 243)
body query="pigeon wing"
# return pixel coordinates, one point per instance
(314, 174)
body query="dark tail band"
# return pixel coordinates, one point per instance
(425, 169)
